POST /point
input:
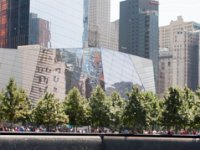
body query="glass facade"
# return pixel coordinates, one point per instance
(14, 16)
(85, 23)
(3, 23)
(50, 23)
(38, 69)
(139, 30)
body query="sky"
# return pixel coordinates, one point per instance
(65, 31)
(168, 10)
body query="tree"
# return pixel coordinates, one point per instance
(196, 108)
(152, 108)
(76, 108)
(14, 103)
(1, 113)
(188, 108)
(171, 107)
(197, 92)
(134, 115)
(100, 109)
(25, 113)
(116, 111)
(49, 112)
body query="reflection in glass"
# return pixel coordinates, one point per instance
(39, 31)
(63, 20)
(50, 23)
(59, 70)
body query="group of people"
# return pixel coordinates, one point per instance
(171, 132)
(17, 129)
(82, 130)
(21, 129)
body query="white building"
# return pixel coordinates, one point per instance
(182, 39)
(98, 30)
(165, 71)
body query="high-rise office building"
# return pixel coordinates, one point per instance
(14, 22)
(98, 30)
(114, 35)
(49, 23)
(167, 32)
(85, 23)
(182, 40)
(39, 31)
(138, 29)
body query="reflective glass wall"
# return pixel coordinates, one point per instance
(38, 69)
(3, 22)
(14, 23)
(50, 23)
(56, 23)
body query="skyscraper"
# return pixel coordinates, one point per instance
(49, 23)
(98, 30)
(182, 40)
(39, 31)
(14, 22)
(138, 29)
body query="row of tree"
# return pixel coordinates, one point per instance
(179, 109)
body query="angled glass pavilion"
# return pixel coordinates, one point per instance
(39, 69)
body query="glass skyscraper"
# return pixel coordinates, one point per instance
(138, 29)
(49, 23)
(98, 30)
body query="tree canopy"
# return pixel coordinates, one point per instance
(100, 108)
(152, 109)
(134, 114)
(117, 105)
(14, 103)
(76, 107)
(179, 109)
(49, 112)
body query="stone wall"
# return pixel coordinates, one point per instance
(150, 143)
(8, 142)
(70, 142)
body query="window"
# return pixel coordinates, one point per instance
(162, 65)
(169, 64)
(55, 89)
(55, 79)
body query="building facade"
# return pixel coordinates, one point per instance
(138, 29)
(98, 30)
(182, 39)
(24, 22)
(167, 33)
(39, 31)
(114, 35)
(38, 69)
(165, 71)
(14, 16)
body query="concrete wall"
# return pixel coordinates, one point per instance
(149, 143)
(56, 142)
(8, 142)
